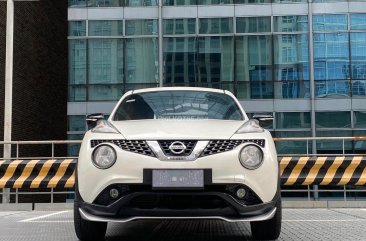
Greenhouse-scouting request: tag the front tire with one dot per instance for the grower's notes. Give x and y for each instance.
(268, 229)
(87, 230)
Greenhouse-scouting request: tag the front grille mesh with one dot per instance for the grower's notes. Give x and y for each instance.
(139, 147)
(189, 147)
(219, 146)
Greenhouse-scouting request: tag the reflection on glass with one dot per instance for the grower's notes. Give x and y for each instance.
(289, 1)
(358, 21)
(290, 23)
(293, 120)
(77, 3)
(179, 2)
(293, 147)
(77, 93)
(105, 61)
(359, 88)
(105, 28)
(76, 123)
(253, 58)
(251, 1)
(332, 88)
(77, 61)
(253, 24)
(215, 25)
(179, 26)
(141, 60)
(333, 146)
(105, 3)
(104, 92)
(358, 56)
(338, 119)
(180, 60)
(331, 56)
(77, 28)
(359, 119)
(142, 27)
(140, 3)
(291, 63)
(212, 2)
(215, 59)
(329, 22)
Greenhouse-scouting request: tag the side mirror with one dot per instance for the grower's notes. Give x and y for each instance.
(92, 119)
(264, 120)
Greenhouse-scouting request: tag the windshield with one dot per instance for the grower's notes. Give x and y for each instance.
(178, 105)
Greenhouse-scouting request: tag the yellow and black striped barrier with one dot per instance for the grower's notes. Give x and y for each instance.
(60, 173)
(335, 170)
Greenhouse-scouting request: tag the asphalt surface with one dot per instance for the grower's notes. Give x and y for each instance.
(298, 224)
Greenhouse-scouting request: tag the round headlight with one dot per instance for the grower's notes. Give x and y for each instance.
(251, 157)
(104, 156)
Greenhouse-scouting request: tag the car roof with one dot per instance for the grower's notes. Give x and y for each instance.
(177, 89)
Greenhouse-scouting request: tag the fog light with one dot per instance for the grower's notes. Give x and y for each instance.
(114, 193)
(240, 193)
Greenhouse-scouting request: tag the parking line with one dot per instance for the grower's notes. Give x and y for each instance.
(44, 216)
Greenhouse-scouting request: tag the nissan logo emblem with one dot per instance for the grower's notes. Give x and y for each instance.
(177, 147)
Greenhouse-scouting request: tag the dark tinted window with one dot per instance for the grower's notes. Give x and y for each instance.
(178, 105)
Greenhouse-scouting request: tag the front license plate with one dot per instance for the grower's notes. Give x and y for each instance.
(177, 178)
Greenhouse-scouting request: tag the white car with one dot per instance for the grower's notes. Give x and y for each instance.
(177, 153)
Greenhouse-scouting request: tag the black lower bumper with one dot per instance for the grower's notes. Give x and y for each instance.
(177, 204)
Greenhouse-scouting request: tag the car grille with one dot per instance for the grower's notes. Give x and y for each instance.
(139, 147)
(188, 143)
(218, 146)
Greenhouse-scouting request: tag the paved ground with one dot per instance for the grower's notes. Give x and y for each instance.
(298, 224)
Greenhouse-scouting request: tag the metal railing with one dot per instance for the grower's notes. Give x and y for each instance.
(309, 190)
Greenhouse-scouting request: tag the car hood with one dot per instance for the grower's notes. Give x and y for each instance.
(177, 129)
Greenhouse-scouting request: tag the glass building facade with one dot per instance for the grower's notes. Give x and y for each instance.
(303, 62)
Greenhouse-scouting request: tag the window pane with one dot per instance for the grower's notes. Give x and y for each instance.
(289, 1)
(293, 120)
(77, 3)
(333, 146)
(339, 119)
(358, 55)
(142, 27)
(215, 59)
(179, 26)
(180, 60)
(331, 56)
(211, 2)
(105, 61)
(290, 23)
(329, 22)
(105, 3)
(105, 28)
(261, 89)
(358, 21)
(292, 147)
(325, 1)
(359, 119)
(179, 2)
(76, 123)
(216, 25)
(251, 1)
(77, 61)
(253, 25)
(332, 88)
(141, 60)
(73, 149)
(140, 3)
(104, 92)
(77, 28)
(77, 93)
(253, 58)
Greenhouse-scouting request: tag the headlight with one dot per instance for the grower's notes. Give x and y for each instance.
(251, 157)
(104, 156)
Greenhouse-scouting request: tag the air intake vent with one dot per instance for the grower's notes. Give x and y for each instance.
(189, 144)
(139, 147)
(218, 146)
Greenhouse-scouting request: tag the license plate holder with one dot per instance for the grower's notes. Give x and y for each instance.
(173, 178)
